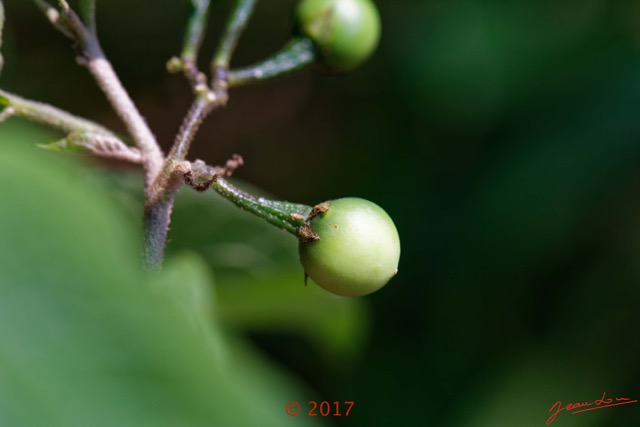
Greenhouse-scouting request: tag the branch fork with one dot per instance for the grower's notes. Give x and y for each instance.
(163, 174)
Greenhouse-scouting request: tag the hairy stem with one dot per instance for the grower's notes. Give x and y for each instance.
(157, 215)
(49, 115)
(99, 145)
(297, 54)
(190, 125)
(70, 24)
(235, 26)
(161, 196)
(163, 176)
(195, 30)
(83, 135)
(188, 61)
(287, 216)
(156, 218)
(126, 109)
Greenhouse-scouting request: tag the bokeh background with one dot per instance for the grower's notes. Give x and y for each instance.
(502, 137)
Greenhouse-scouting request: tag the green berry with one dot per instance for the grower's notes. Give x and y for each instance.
(346, 32)
(358, 248)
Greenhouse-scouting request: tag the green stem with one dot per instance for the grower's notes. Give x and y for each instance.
(296, 54)
(51, 116)
(287, 216)
(157, 217)
(190, 125)
(195, 30)
(235, 26)
(161, 196)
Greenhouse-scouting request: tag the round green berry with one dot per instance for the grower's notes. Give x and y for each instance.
(346, 32)
(356, 248)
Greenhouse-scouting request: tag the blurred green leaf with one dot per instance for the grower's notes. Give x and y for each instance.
(187, 278)
(87, 339)
(337, 327)
(524, 393)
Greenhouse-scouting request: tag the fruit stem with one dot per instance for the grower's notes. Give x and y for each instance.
(284, 215)
(290, 217)
(295, 55)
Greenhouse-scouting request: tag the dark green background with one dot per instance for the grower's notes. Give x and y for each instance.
(502, 137)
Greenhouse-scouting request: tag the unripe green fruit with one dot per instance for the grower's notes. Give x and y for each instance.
(346, 32)
(358, 248)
